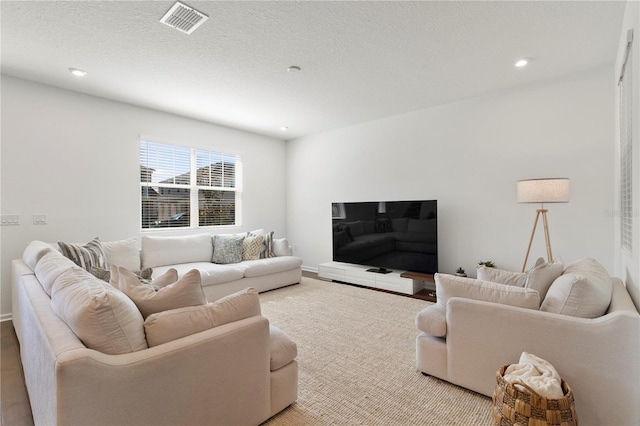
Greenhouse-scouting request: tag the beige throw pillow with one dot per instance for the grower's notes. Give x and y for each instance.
(170, 325)
(448, 286)
(101, 316)
(187, 291)
(542, 275)
(252, 246)
(583, 290)
(501, 276)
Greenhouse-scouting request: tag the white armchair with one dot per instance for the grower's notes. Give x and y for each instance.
(466, 338)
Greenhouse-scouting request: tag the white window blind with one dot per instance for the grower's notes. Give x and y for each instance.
(188, 187)
(626, 170)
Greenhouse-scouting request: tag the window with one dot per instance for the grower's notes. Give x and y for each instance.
(626, 170)
(188, 187)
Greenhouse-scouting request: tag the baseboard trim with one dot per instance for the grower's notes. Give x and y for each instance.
(5, 317)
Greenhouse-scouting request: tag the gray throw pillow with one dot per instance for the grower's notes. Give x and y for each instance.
(227, 249)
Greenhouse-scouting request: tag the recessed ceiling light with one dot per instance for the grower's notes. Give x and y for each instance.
(284, 128)
(521, 63)
(77, 72)
(294, 68)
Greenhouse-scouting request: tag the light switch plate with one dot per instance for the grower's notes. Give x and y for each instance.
(9, 219)
(39, 219)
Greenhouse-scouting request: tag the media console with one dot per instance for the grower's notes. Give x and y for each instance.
(398, 281)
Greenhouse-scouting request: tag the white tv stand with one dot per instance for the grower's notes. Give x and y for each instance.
(358, 274)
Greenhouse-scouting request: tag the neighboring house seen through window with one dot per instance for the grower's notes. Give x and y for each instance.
(188, 187)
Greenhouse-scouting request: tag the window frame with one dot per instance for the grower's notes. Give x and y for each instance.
(193, 186)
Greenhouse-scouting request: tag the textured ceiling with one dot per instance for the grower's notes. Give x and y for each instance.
(360, 60)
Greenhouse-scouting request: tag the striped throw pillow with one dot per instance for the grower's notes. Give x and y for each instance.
(87, 256)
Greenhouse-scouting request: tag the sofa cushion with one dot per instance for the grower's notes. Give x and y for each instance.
(210, 273)
(169, 325)
(542, 275)
(501, 276)
(159, 251)
(101, 316)
(34, 252)
(448, 286)
(432, 320)
(125, 253)
(187, 291)
(281, 247)
(583, 290)
(283, 349)
(86, 255)
(252, 246)
(227, 249)
(50, 266)
(256, 268)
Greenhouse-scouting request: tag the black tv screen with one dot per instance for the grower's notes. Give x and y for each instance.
(401, 235)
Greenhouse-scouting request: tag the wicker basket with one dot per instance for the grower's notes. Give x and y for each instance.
(512, 406)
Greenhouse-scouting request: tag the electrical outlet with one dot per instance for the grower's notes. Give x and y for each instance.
(9, 219)
(39, 219)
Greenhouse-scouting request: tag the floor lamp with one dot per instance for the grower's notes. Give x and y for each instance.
(548, 190)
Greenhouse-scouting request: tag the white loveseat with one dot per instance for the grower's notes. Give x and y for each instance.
(593, 341)
(89, 356)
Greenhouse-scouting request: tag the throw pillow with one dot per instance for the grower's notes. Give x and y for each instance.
(281, 247)
(268, 245)
(170, 325)
(187, 291)
(85, 256)
(227, 249)
(448, 286)
(102, 317)
(252, 246)
(583, 290)
(543, 274)
(501, 276)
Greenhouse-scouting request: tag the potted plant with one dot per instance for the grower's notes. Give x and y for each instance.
(460, 272)
(487, 263)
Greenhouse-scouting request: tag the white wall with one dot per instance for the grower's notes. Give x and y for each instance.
(468, 155)
(75, 158)
(628, 264)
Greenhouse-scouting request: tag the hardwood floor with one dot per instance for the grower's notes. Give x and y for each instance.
(14, 402)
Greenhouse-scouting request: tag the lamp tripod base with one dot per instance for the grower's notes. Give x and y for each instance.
(539, 212)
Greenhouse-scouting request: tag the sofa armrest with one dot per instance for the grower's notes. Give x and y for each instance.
(218, 376)
(597, 357)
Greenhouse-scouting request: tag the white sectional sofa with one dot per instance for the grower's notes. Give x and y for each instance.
(577, 318)
(92, 355)
(196, 252)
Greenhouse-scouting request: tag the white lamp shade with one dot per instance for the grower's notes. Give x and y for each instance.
(549, 190)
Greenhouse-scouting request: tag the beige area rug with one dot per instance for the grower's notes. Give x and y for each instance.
(356, 355)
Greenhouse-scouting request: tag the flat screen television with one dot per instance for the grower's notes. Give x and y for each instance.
(400, 235)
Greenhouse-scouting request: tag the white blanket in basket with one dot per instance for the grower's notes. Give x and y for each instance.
(538, 374)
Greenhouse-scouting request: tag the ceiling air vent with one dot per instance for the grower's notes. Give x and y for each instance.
(183, 18)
